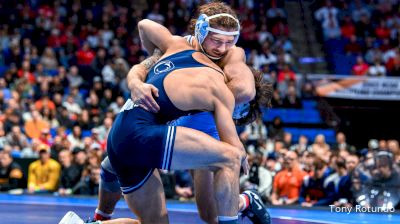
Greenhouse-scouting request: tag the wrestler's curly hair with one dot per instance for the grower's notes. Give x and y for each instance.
(213, 8)
(262, 99)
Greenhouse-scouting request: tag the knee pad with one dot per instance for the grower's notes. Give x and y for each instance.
(108, 178)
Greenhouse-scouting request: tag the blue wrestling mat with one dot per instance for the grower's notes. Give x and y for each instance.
(34, 209)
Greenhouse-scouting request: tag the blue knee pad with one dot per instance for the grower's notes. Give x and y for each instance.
(108, 178)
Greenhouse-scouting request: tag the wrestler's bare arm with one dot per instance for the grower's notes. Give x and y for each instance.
(140, 90)
(223, 102)
(154, 35)
(139, 71)
(240, 77)
(206, 92)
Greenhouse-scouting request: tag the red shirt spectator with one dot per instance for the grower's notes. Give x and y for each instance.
(286, 73)
(360, 68)
(45, 102)
(393, 62)
(85, 55)
(280, 29)
(25, 72)
(56, 40)
(353, 47)
(382, 31)
(348, 29)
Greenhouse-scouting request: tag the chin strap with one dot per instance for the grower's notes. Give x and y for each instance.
(209, 56)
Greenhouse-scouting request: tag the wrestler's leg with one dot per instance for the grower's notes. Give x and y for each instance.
(109, 192)
(204, 193)
(196, 150)
(148, 202)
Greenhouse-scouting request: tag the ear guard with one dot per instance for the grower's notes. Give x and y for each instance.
(203, 27)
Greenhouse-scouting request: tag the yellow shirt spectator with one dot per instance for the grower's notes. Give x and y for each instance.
(44, 173)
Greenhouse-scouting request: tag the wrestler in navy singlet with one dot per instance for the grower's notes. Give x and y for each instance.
(140, 141)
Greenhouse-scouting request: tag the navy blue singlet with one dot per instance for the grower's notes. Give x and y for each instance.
(140, 141)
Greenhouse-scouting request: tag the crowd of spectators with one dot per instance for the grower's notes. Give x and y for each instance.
(365, 30)
(289, 172)
(63, 67)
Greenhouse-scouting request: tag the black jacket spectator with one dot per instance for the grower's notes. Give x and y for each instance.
(11, 175)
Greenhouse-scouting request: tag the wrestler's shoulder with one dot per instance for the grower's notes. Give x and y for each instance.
(233, 54)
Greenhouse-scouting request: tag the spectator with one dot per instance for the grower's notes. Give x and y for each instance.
(360, 68)
(287, 182)
(74, 78)
(155, 14)
(382, 31)
(34, 126)
(393, 64)
(275, 130)
(353, 47)
(377, 69)
(253, 132)
(346, 190)
(325, 12)
(80, 157)
(314, 190)
(331, 28)
(44, 102)
(70, 173)
(75, 137)
(337, 164)
(71, 105)
(286, 74)
(320, 148)
(11, 174)
(49, 60)
(89, 184)
(393, 146)
(3, 138)
(359, 11)
(85, 55)
(348, 29)
(301, 146)
(25, 72)
(385, 178)
(44, 173)
(364, 27)
(374, 54)
(16, 139)
(276, 100)
(341, 143)
(291, 99)
(117, 105)
(287, 140)
(63, 117)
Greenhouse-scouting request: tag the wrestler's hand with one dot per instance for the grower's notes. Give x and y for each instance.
(143, 94)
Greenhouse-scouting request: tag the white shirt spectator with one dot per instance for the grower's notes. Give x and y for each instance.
(157, 17)
(388, 55)
(322, 14)
(72, 106)
(108, 74)
(377, 70)
(106, 36)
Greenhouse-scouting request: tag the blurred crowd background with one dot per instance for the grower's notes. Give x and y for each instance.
(63, 67)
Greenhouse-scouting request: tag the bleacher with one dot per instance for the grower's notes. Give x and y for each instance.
(306, 121)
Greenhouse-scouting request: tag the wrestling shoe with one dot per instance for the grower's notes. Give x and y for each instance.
(256, 211)
(71, 218)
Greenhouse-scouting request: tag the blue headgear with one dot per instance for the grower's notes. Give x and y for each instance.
(203, 27)
(241, 111)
